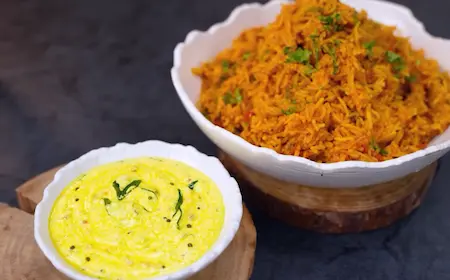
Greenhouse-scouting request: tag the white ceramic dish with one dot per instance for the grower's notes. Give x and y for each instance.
(201, 46)
(211, 166)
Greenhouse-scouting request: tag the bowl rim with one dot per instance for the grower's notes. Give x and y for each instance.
(228, 231)
(262, 151)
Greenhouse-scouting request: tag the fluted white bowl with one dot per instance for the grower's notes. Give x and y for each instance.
(201, 46)
(211, 166)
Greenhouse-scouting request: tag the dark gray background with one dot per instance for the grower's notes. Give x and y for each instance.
(81, 74)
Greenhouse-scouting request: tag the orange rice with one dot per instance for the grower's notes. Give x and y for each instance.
(327, 83)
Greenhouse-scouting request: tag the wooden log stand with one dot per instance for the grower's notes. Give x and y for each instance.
(22, 259)
(330, 210)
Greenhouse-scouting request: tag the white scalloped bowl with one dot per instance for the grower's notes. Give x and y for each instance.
(211, 166)
(202, 46)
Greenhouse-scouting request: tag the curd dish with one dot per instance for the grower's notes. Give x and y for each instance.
(147, 211)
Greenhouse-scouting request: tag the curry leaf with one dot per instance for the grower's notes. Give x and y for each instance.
(178, 208)
(192, 184)
(121, 194)
(116, 187)
(131, 186)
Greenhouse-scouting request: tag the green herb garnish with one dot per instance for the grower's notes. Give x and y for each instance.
(107, 202)
(238, 95)
(369, 47)
(228, 98)
(331, 22)
(286, 50)
(289, 111)
(192, 184)
(178, 208)
(396, 60)
(332, 52)
(225, 66)
(377, 148)
(246, 55)
(299, 55)
(418, 62)
(121, 194)
(392, 57)
(316, 49)
(232, 99)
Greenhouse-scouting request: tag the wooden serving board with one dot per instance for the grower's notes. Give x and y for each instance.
(22, 259)
(332, 210)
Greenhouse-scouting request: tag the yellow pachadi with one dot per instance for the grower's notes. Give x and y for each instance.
(136, 218)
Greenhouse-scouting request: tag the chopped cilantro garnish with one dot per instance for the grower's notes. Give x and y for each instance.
(228, 98)
(396, 60)
(393, 57)
(289, 111)
(332, 52)
(316, 49)
(299, 55)
(369, 47)
(418, 62)
(377, 148)
(238, 95)
(232, 98)
(246, 55)
(331, 22)
(398, 67)
(225, 65)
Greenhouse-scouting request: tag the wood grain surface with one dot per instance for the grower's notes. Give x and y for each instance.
(332, 210)
(20, 250)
